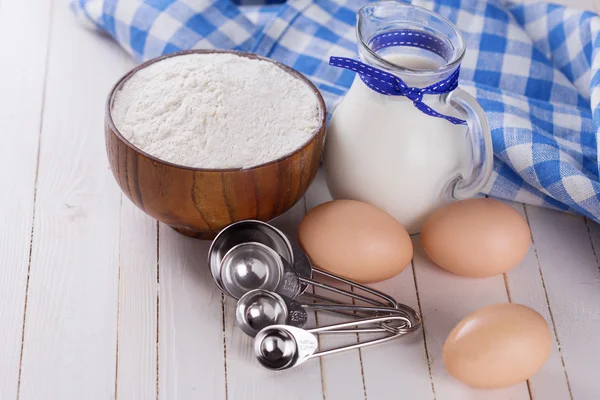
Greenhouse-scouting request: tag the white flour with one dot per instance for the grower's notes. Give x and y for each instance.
(216, 111)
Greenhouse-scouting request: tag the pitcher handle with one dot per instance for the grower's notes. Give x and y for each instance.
(481, 143)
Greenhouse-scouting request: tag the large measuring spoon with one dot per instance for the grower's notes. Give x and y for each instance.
(253, 231)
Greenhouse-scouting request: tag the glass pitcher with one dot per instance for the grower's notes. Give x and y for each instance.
(384, 149)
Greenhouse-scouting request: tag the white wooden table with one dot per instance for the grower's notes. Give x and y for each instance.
(99, 301)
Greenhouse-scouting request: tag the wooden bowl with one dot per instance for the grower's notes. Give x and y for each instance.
(200, 202)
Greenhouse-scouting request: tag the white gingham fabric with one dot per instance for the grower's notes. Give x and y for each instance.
(535, 69)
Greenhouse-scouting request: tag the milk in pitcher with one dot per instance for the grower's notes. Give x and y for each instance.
(398, 158)
(405, 137)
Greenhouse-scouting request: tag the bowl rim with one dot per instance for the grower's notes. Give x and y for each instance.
(117, 87)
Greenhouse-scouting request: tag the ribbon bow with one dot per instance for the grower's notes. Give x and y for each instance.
(391, 85)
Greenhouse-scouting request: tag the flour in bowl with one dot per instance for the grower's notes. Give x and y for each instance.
(216, 111)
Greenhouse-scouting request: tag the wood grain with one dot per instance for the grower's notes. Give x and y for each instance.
(190, 335)
(407, 357)
(22, 87)
(526, 286)
(445, 300)
(137, 313)
(71, 322)
(342, 373)
(201, 202)
(77, 318)
(349, 384)
(137, 353)
(380, 366)
(246, 378)
(569, 266)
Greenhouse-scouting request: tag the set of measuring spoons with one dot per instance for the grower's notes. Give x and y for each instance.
(269, 275)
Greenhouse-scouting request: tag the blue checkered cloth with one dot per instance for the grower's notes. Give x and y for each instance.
(535, 70)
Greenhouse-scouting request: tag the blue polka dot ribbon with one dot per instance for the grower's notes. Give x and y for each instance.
(391, 85)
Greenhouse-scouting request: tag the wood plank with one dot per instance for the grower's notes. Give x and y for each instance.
(570, 269)
(594, 232)
(71, 320)
(138, 301)
(383, 368)
(191, 353)
(526, 286)
(403, 363)
(137, 317)
(22, 81)
(247, 379)
(343, 373)
(445, 300)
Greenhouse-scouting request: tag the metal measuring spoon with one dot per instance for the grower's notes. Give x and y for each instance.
(253, 265)
(280, 347)
(297, 261)
(250, 266)
(259, 309)
(247, 231)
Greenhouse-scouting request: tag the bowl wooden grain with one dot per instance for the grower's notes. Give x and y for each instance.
(200, 202)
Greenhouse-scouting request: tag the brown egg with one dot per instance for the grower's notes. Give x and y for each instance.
(497, 346)
(476, 237)
(355, 240)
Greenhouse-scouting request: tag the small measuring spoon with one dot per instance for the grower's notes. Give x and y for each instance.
(280, 347)
(260, 308)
